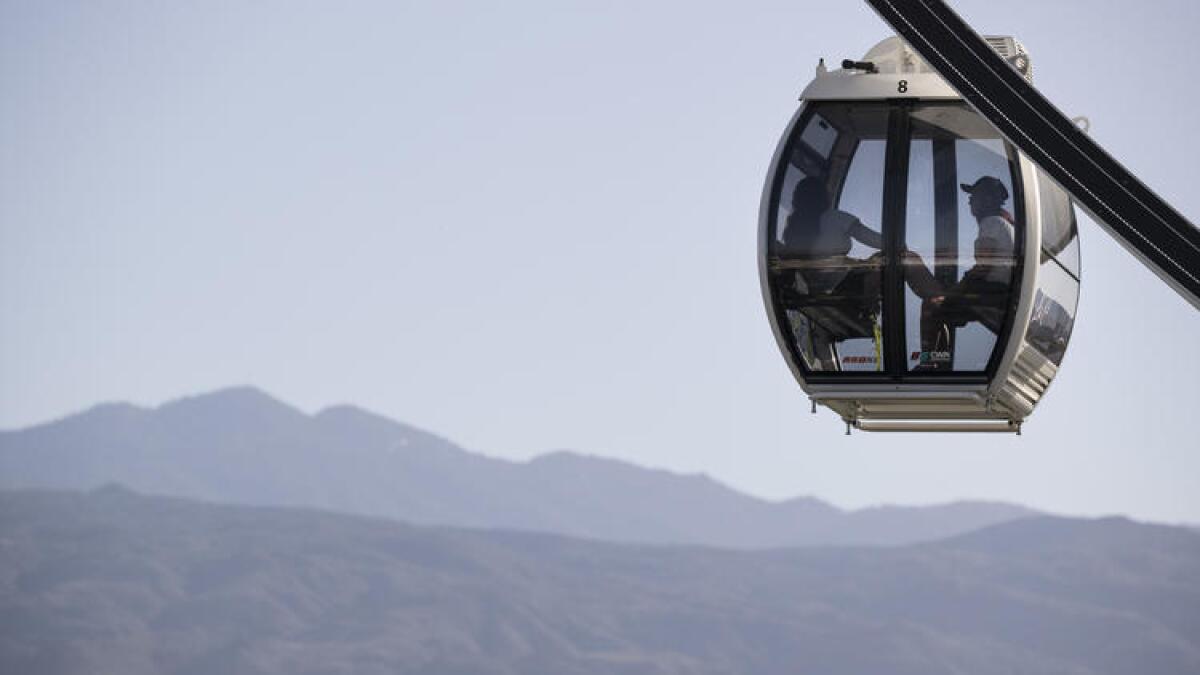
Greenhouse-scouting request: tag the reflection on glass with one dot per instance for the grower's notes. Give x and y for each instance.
(1053, 311)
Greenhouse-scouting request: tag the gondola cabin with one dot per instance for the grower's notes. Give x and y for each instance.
(919, 272)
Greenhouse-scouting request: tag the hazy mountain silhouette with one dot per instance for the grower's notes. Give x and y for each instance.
(118, 583)
(242, 446)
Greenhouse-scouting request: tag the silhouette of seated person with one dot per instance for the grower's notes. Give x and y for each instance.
(982, 294)
(838, 293)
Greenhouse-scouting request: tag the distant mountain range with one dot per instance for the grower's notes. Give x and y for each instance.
(241, 446)
(113, 582)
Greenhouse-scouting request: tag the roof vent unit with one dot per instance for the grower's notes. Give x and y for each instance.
(1013, 52)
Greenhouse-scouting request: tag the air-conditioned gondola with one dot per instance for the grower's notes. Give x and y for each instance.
(919, 272)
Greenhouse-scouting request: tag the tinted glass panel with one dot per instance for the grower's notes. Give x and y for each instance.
(825, 261)
(1053, 311)
(961, 239)
(1060, 238)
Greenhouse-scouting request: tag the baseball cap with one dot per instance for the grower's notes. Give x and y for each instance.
(987, 186)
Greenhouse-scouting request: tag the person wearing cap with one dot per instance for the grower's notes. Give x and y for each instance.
(995, 240)
(981, 292)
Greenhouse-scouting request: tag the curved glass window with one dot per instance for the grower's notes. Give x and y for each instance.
(961, 234)
(826, 245)
(894, 240)
(1060, 236)
(1057, 296)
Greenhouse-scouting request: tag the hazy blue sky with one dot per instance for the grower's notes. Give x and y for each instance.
(530, 226)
